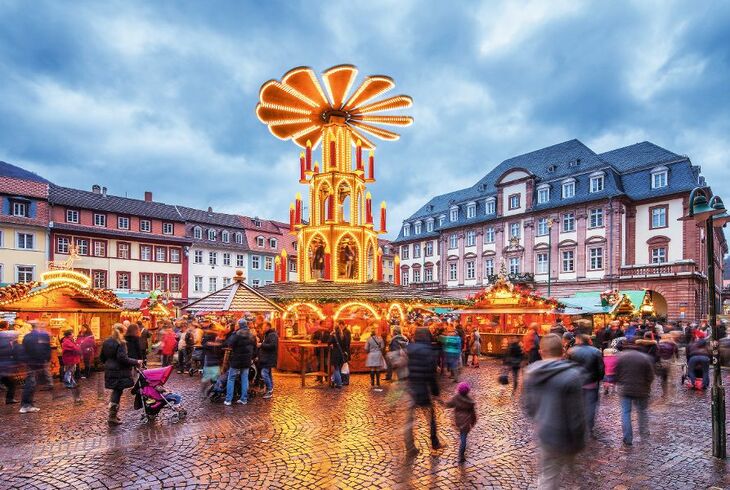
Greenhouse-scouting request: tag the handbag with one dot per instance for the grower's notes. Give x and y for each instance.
(345, 369)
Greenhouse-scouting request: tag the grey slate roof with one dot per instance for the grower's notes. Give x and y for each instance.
(15, 172)
(75, 198)
(212, 218)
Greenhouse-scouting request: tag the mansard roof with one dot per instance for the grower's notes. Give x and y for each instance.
(210, 217)
(15, 172)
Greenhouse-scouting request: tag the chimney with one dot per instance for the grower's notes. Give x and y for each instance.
(103, 191)
(210, 209)
(148, 196)
(96, 189)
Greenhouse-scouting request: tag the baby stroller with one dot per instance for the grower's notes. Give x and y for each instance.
(217, 391)
(152, 397)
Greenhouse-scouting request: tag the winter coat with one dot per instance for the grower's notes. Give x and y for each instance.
(514, 355)
(37, 349)
(88, 346)
(590, 359)
(269, 349)
(609, 363)
(212, 352)
(70, 351)
(374, 347)
(169, 342)
(422, 358)
(117, 365)
(338, 354)
(451, 344)
(134, 347)
(476, 343)
(242, 346)
(465, 414)
(553, 398)
(9, 353)
(634, 373)
(531, 341)
(397, 343)
(698, 348)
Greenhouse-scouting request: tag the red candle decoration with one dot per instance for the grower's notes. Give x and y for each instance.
(358, 157)
(331, 208)
(333, 156)
(298, 208)
(327, 263)
(284, 265)
(277, 269)
(396, 270)
(368, 209)
(292, 217)
(382, 217)
(302, 170)
(380, 265)
(371, 165)
(308, 155)
(316, 167)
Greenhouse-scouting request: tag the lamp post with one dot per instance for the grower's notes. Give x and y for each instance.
(711, 210)
(550, 223)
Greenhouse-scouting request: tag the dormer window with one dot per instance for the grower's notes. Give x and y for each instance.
(239, 237)
(429, 225)
(568, 188)
(659, 177)
(260, 241)
(490, 206)
(417, 228)
(225, 236)
(20, 208)
(597, 182)
(212, 235)
(514, 201)
(442, 220)
(471, 210)
(543, 194)
(454, 213)
(257, 222)
(407, 229)
(273, 243)
(551, 169)
(198, 233)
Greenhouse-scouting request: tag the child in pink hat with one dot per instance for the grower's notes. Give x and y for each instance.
(465, 415)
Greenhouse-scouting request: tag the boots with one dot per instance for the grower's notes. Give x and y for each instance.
(114, 414)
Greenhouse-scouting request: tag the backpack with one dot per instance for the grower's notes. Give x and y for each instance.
(665, 350)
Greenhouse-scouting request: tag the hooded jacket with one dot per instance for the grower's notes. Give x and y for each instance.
(553, 398)
(590, 359)
(634, 373)
(465, 414)
(242, 346)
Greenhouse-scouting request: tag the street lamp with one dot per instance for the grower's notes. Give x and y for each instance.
(550, 223)
(711, 210)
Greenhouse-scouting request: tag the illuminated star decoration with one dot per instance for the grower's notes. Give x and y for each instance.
(297, 108)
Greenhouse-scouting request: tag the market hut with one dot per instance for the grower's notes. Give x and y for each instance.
(602, 307)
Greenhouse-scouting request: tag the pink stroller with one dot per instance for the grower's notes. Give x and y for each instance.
(152, 397)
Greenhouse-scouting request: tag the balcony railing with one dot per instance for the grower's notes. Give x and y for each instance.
(660, 270)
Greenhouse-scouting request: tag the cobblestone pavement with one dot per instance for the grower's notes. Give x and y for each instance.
(350, 438)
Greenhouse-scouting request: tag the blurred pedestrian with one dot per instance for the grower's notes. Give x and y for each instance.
(37, 355)
(698, 357)
(513, 361)
(531, 343)
(338, 356)
(451, 343)
(144, 338)
(590, 359)
(667, 352)
(9, 361)
(476, 347)
(185, 348)
(375, 360)
(553, 398)
(212, 358)
(168, 343)
(268, 354)
(87, 342)
(634, 375)
(398, 358)
(117, 369)
(243, 346)
(465, 415)
(71, 353)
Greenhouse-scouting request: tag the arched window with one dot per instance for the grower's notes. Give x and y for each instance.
(212, 235)
(198, 233)
(239, 237)
(225, 236)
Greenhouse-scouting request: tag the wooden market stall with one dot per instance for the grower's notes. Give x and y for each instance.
(503, 311)
(602, 307)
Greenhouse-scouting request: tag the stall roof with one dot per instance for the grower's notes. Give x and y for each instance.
(237, 296)
(589, 302)
(57, 297)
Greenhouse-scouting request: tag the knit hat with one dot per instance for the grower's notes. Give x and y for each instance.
(463, 388)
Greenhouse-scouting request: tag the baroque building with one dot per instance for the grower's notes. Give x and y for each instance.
(566, 219)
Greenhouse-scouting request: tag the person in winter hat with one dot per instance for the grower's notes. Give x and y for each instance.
(465, 415)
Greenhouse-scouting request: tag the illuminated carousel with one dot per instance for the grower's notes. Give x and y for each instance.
(339, 263)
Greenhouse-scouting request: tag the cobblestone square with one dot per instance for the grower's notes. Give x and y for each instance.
(350, 438)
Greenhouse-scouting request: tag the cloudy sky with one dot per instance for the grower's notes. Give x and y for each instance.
(160, 96)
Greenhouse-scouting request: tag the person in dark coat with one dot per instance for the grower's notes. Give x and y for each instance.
(346, 341)
(698, 356)
(9, 354)
(338, 354)
(268, 353)
(553, 388)
(634, 375)
(465, 415)
(513, 360)
(591, 360)
(134, 343)
(37, 355)
(242, 345)
(422, 385)
(117, 369)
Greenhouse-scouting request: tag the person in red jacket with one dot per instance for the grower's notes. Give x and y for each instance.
(71, 355)
(169, 342)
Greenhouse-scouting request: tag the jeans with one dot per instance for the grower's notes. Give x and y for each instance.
(31, 380)
(88, 361)
(552, 464)
(167, 360)
(337, 375)
(515, 377)
(462, 443)
(590, 400)
(268, 380)
(230, 386)
(704, 363)
(641, 405)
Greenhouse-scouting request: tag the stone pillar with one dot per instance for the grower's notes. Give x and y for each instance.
(460, 263)
(580, 253)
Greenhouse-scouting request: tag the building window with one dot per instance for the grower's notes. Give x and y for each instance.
(145, 282)
(100, 220)
(212, 235)
(471, 238)
(145, 252)
(175, 255)
(429, 225)
(514, 230)
(428, 249)
(428, 274)
(161, 282)
(568, 189)
(82, 246)
(226, 281)
(168, 228)
(72, 216)
(198, 233)
(212, 284)
(404, 249)
(452, 271)
(145, 225)
(268, 263)
(63, 245)
(658, 216)
(225, 236)
(407, 230)
(442, 220)
(595, 258)
(416, 275)
(198, 284)
(24, 273)
(417, 228)
(175, 283)
(453, 241)
(416, 250)
(273, 243)
(543, 195)
(568, 261)
(256, 283)
(226, 258)
(98, 279)
(99, 248)
(122, 222)
(514, 265)
(488, 268)
(659, 178)
(198, 257)
(25, 241)
(469, 270)
(123, 249)
(240, 260)
(542, 227)
(260, 241)
(404, 277)
(160, 254)
(123, 280)
(471, 210)
(292, 266)
(213, 258)
(596, 218)
(239, 237)
(490, 206)
(658, 255)
(20, 209)
(255, 262)
(454, 214)
(568, 222)
(514, 201)
(597, 183)
(489, 234)
(541, 263)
